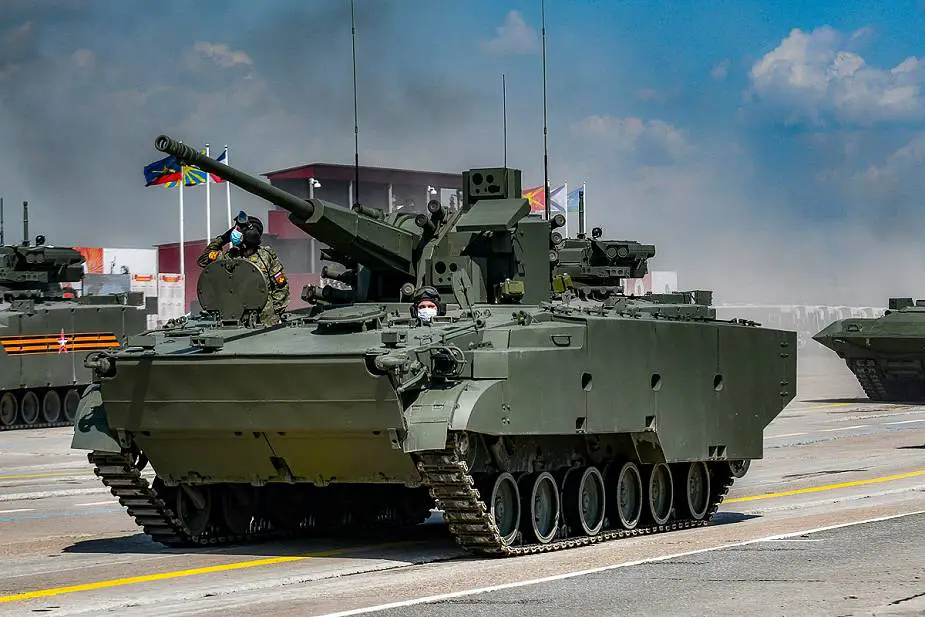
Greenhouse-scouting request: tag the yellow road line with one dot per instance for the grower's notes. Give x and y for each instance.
(241, 565)
(161, 576)
(49, 474)
(828, 487)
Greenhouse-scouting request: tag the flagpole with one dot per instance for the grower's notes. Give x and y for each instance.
(182, 250)
(208, 202)
(584, 213)
(565, 192)
(228, 187)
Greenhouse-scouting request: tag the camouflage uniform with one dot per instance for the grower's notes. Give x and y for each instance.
(268, 263)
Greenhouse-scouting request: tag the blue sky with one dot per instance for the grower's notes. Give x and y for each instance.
(771, 150)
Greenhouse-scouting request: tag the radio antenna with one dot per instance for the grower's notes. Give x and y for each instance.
(545, 146)
(356, 126)
(504, 116)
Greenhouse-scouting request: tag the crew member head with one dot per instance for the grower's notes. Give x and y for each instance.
(425, 304)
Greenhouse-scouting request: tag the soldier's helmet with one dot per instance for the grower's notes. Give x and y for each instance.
(426, 295)
(253, 232)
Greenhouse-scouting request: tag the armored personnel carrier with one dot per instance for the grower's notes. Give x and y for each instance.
(540, 409)
(46, 332)
(886, 354)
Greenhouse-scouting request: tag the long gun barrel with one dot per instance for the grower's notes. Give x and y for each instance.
(373, 243)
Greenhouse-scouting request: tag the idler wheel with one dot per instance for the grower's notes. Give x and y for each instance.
(696, 490)
(30, 407)
(504, 507)
(194, 506)
(740, 467)
(51, 406)
(628, 496)
(9, 407)
(585, 500)
(659, 494)
(71, 401)
(541, 507)
(238, 504)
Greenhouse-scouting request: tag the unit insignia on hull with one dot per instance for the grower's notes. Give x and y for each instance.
(477, 361)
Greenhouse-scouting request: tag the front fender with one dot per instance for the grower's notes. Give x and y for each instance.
(91, 428)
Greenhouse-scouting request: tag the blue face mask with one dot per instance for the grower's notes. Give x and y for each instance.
(236, 237)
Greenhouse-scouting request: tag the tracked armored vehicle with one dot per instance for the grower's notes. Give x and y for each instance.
(46, 332)
(541, 409)
(886, 354)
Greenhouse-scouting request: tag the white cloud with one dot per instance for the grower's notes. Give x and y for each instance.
(222, 54)
(84, 58)
(720, 70)
(630, 134)
(813, 77)
(514, 36)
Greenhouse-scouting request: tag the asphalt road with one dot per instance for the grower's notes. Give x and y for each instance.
(67, 547)
(873, 568)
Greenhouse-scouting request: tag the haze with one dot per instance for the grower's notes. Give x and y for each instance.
(771, 154)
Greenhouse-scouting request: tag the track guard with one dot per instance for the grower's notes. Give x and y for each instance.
(91, 428)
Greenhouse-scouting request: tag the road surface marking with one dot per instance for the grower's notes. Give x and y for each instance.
(99, 503)
(567, 575)
(903, 422)
(160, 576)
(77, 473)
(17, 510)
(240, 565)
(785, 435)
(828, 487)
(844, 428)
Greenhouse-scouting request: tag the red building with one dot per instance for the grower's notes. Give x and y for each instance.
(380, 187)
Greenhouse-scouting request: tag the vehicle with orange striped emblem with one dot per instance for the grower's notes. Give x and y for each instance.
(46, 332)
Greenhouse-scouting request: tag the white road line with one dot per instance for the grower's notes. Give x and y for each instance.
(903, 422)
(794, 540)
(567, 575)
(47, 494)
(17, 510)
(844, 428)
(99, 503)
(786, 435)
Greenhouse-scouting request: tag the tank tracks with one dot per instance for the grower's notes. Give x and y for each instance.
(446, 474)
(148, 503)
(469, 521)
(145, 504)
(871, 379)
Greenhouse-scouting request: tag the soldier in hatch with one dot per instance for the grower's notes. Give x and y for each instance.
(245, 237)
(426, 304)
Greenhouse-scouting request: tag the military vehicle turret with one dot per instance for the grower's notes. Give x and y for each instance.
(540, 409)
(887, 353)
(46, 332)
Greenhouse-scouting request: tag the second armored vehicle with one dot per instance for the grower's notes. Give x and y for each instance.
(886, 354)
(46, 333)
(541, 408)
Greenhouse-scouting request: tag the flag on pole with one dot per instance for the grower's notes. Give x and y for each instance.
(573, 199)
(558, 194)
(537, 198)
(159, 173)
(221, 158)
(192, 175)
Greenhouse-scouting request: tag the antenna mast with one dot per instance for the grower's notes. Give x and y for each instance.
(504, 116)
(356, 126)
(545, 147)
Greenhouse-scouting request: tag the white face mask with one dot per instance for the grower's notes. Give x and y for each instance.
(426, 313)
